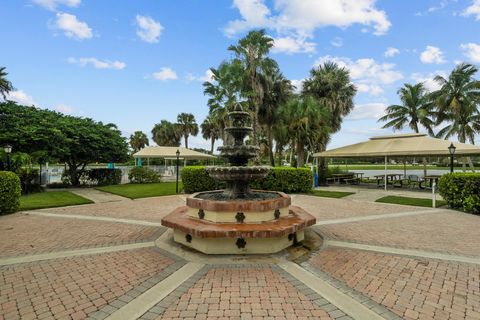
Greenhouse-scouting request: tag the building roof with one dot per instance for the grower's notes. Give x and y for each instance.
(170, 153)
(414, 144)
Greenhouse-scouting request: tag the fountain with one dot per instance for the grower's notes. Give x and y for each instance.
(238, 220)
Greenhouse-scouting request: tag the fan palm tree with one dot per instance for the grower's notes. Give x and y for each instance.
(304, 117)
(251, 52)
(277, 89)
(415, 110)
(166, 133)
(187, 126)
(5, 85)
(210, 130)
(138, 141)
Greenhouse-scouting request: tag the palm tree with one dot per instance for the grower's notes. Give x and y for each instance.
(415, 110)
(251, 52)
(5, 85)
(166, 133)
(210, 130)
(187, 126)
(305, 118)
(138, 141)
(277, 89)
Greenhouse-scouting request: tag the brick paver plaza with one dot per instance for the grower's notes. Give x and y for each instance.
(113, 260)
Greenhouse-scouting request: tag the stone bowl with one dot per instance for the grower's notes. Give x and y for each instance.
(238, 173)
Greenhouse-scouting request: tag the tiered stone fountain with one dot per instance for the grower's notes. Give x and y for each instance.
(238, 220)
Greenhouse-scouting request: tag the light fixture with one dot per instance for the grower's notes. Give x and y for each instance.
(8, 148)
(451, 149)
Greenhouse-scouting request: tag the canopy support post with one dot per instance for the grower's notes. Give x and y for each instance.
(385, 173)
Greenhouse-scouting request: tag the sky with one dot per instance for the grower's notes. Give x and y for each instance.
(134, 63)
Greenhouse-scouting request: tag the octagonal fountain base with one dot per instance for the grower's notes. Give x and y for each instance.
(238, 226)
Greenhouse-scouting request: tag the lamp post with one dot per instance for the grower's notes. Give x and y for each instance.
(451, 150)
(178, 156)
(8, 150)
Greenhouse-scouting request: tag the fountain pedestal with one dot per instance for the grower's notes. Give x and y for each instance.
(238, 220)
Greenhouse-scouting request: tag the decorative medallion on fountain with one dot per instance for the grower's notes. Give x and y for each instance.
(220, 221)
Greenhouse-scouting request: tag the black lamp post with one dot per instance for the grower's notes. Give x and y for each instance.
(451, 150)
(8, 150)
(178, 155)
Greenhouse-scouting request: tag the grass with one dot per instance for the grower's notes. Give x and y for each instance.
(331, 194)
(51, 200)
(411, 201)
(136, 191)
(389, 167)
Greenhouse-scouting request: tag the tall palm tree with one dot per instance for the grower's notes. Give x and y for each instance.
(5, 85)
(251, 51)
(187, 126)
(166, 133)
(305, 118)
(457, 103)
(138, 141)
(210, 130)
(415, 110)
(277, 90)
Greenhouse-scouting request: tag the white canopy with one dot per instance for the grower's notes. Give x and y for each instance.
(171, 153)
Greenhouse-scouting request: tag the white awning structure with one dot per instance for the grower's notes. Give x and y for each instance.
(171, 153)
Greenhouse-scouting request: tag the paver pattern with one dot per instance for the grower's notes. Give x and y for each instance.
(243, 293)
(329, 208)
(75, 287)
(22, 234)
(443, 231)
(149, 209)
(411, 288)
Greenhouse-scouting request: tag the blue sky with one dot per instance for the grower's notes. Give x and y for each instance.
(135, 63)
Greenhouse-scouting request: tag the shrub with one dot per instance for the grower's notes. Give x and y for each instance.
(57, 185)
(29, 180)
(290, 180)
(10, 192)
(286, 179)
(104, 176)
(196, 179)
(143, 175)
(461, 191)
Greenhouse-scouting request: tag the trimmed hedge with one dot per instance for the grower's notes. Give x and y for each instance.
(10, 192)
(289, 180)
(461, 191)
(143, 175)
(104, 176)
(29, 180)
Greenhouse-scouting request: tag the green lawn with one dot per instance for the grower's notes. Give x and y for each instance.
(411, 201)
(331, 194)
(136, 191)
(51, 199)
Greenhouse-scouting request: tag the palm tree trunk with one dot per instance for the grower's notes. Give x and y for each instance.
(186, 141)
(270, 145)
(300, 153)
(213, 145)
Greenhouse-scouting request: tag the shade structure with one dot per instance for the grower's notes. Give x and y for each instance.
(171, 153)
(400, 145)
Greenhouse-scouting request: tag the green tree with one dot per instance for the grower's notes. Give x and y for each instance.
(166, 133)
(138, 141)
(415, 110)
(187, 126)
(305, 119)
(277, 89)
(251, 52)
(457, 103)
(210, 131)
(5, 85)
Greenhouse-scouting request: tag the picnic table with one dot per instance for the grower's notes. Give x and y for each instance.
(392, 178)
(430, 179)
(338, 177)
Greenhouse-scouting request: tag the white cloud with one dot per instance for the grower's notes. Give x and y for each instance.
(368, 75)
(432, 55)
(428, 79)
(165, 74)
(72, 27)
(98, 64)
(337, 42)
(53, 4)
(21, 97)
(148, 30)
(302, 17)
(391, 52)
(471, 51)
(473, 10)
(63, 108)
(298, 85)
(207, 77)
(367, 111)
(291, 45)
